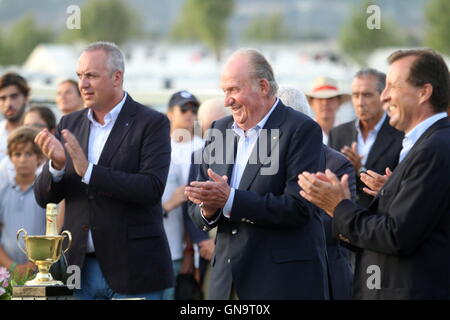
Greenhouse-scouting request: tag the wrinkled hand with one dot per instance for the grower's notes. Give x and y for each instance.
(324, 189)
(214, 194)
(207, 248)
(374, 181)
(352, 155)
(79, 160)
(52, 148)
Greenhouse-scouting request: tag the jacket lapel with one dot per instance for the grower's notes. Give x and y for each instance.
(267, 141)
(123, 123)
(382, 142)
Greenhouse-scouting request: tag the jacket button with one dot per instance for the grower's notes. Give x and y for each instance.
(85, 227)
(91, 197)
(229, 260)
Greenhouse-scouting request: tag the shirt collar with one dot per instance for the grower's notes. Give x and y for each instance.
(418, 130)
(238, 130)
(377, 127)
(110, 116)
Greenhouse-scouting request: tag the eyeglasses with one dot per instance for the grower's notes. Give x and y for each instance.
(189, 106)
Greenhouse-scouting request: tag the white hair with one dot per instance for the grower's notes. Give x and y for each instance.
(294, 98)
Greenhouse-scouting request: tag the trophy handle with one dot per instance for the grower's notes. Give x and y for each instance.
(18, 242)
(69, 236)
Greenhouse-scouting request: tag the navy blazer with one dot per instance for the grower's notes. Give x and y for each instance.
(121, 205)
(384, 152)
(405, 232)
(273, 245)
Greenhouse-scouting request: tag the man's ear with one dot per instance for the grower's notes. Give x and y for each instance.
(264, 85)
(118, 78)
(425, 92)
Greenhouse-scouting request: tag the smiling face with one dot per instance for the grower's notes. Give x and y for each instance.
(401, 99)
(245, 96)
(366, 99)
(100, 87)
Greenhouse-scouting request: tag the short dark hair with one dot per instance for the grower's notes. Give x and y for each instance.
(21, 136)
(14, 79)
(46, 114)
(428, 67)
(380, 76)
(73, 83)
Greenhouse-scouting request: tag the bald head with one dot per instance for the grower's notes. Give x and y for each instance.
(211, 110)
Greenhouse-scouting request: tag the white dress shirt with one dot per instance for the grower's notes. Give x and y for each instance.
(411, 137)
(247, 141)
(364, 147)
(98, 135)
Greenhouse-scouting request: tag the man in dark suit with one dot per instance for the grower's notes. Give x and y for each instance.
(369, 142)
(270, 242)
(110, 162)
(404, 235)
(339, 258)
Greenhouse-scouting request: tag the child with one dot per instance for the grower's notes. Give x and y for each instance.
(18, 207)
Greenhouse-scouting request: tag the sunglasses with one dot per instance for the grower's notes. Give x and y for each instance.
(189, 106)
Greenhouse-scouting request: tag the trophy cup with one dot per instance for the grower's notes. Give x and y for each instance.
(45, 250)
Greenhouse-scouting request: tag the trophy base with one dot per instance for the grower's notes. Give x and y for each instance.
(43, 279)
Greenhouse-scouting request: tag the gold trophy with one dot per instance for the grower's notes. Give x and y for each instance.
(45, 250)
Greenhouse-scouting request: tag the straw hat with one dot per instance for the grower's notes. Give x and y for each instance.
(324, 88)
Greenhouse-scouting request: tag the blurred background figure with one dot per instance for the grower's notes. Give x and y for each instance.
(182, 113)
(369, 141)
(340, 259)
(325, 98)
(14, 93)
(68, 97)
(38, 117)
(209, 111)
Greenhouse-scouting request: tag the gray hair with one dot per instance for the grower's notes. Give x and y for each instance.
(260, 68)
(294, 98)
(115, 59)
(380, 76)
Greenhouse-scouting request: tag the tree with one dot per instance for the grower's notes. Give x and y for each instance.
(105, 20)
(267, 28)
(437, 14)
(21, 39)
(205, 20)
(358, 39)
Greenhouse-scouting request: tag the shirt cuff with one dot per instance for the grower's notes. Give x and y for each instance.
(87, 175)
(57, 175)
(209, 222)
(229, 204)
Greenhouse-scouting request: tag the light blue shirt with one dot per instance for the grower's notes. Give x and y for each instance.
(247, 141)
(98, 136)
(19, 209)
(363, 147)
(411, 137)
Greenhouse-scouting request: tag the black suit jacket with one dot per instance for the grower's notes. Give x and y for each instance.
(406, 230)
(121, 205)
(273, 245)
(384, 152)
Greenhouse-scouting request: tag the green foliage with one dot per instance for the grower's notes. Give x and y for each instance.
(105, 20)
(358, 41)
(204, 20)
(9, 280)
(267, 28)
(437, 14)
(17, 44)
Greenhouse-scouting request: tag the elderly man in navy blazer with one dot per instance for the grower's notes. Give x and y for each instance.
(270, 242)
(109, 162)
